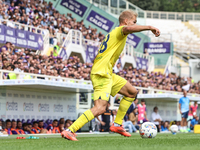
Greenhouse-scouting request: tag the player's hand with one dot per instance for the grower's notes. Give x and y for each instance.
(180, 112)
(103, 123)
(155, 31)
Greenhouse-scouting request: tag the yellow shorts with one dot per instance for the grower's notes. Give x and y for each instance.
(104, 87)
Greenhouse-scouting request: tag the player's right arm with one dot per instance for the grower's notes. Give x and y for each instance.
(180, 108)
(138, 28)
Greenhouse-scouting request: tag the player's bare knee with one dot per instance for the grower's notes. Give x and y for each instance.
(132, 93)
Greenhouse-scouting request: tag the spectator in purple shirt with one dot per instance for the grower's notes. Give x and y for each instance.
(7, 46)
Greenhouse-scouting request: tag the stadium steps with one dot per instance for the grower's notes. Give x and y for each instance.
(185, 69)
(161, 70)
(192, 28)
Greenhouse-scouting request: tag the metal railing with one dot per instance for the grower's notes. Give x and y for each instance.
(21, 75)
(76, 37)
(141, 90)
(183, 16)
(43, 32)
(117, 6)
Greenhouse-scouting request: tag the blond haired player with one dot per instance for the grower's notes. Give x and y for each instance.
(105, 83)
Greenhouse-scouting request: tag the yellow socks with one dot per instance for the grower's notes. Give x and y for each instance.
(123, 108)
(81, 121)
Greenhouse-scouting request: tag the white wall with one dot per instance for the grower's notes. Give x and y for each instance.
(24, 104)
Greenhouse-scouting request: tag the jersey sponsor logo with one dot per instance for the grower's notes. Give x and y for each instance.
(97, 58)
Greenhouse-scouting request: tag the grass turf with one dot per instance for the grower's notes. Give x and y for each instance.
(180, 141)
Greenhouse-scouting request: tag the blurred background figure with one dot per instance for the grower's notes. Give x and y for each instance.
(142, 116)
(156, 119)
(194, 121)
(106, 119)
(184, 110)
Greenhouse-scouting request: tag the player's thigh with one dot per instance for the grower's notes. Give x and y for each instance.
(117, 84)
(102, 87)
(128, 90)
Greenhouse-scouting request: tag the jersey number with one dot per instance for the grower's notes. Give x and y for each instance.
(104, 44)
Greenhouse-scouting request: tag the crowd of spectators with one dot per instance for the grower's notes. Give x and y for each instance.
(157, 80)
(25, 60)
(34, 127)
(40, 14)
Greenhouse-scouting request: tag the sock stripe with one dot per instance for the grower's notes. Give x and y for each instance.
(86, 117)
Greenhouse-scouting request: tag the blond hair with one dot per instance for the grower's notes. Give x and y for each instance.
(127, 14)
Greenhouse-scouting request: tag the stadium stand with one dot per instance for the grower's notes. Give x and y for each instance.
(183, 38)
(24, 63)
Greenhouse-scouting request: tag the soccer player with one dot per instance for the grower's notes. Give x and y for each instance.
(105, 83)
(184, 103)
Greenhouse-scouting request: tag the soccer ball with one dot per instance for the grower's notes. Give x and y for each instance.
(174, 129)
(148, 130)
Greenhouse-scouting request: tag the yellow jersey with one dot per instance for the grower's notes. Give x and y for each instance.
(109, 51)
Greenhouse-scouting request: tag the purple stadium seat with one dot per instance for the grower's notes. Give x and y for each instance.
(28, 121)
(45, 125)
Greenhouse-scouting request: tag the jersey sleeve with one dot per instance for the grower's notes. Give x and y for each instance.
(119, 32)
(180, 101)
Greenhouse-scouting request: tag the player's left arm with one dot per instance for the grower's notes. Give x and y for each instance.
(145, 114)
(138, 28)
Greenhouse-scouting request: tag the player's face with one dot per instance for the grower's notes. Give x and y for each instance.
(132, 21)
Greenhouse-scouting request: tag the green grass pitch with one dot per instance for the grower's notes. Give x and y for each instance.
(167, 141)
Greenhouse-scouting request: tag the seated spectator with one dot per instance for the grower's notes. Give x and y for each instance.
(14, 127)
(165, 126)
(156, 119)
(11, 75)
(8, 126)
(68, 123)
(194, 122)
(35, 127)
(27, 129)
(53, 127)
(131, 122)
(40, 127)
(7, 46)
(133, 117)
(62, 120)
(60, 127)
(19, 127)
